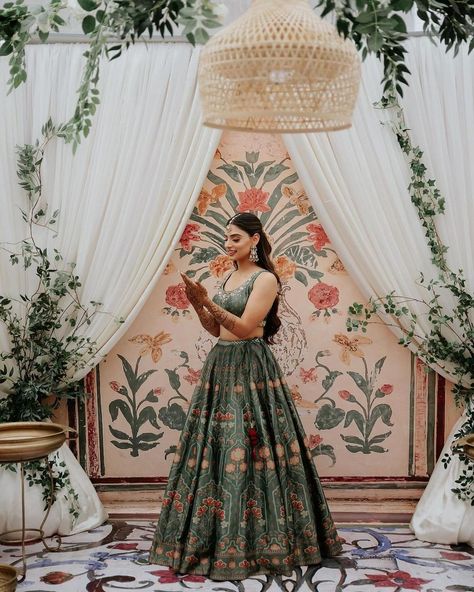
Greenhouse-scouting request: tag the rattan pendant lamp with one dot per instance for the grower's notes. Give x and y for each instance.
(279, 68)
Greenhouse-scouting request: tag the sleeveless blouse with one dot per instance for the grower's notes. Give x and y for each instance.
(235, 301)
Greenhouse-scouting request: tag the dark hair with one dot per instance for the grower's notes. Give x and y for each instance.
(251, 224)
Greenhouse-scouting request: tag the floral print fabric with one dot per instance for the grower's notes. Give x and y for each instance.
(243, 494)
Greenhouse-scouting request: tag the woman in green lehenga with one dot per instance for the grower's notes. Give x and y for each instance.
(243, 495)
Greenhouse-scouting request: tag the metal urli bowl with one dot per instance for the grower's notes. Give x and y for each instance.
(8, 578)
(29, 440)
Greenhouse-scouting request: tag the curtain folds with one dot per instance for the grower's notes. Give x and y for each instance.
(357, 182)
(125, 196)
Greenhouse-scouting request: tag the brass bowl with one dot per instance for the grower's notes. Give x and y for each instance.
(8, 578)
(464, 445)
(29, 440)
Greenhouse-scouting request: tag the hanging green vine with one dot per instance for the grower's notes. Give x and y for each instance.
(449, 342)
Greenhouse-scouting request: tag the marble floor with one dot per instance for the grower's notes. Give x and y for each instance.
(379, 557)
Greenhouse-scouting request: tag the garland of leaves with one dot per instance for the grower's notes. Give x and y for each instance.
(37, 367)
(450, 340)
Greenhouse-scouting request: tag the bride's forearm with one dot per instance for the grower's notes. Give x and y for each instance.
(221, 316)
(207, 321)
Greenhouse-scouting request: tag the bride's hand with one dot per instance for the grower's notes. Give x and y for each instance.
(195, 291)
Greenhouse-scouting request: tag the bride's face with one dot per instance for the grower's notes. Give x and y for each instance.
(238, 243)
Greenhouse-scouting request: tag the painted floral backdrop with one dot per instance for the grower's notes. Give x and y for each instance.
(356, 394)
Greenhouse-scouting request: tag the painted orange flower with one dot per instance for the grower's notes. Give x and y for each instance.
(317, 236)
(206, 198)
(253, 200)
(152, 344)
(220, 265)
(350, 346)
(298, 199)
(285, 267)
(337, 267)
(191, 233)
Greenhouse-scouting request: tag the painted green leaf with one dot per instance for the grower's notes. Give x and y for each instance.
(379, 438)
(128, 370)
(301, 255)
(329, 379)
(146, 414)
(118, 434)
(232, 171)
(353, 440)
(151, 397)
(328, 417)
(355, 416)
(378, 449)
(204, 255)
(204, 276)
(170, 450)
(122, 445)
(382, 411)
(359, 380)
(274, 172)
(300, 276)
(146, 445)
(172, 416)
(379, 365)
(352, 448)
(326, 450)
(148, 437)
(118, 405)
(142, 378)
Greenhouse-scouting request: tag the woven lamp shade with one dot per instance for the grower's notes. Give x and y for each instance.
(279, 68)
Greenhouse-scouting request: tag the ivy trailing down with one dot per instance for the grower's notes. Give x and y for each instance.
(449, 343)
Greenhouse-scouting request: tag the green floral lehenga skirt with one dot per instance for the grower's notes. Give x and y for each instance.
(243, 495)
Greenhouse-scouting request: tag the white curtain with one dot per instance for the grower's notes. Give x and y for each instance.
(126, 195)
(357, 181)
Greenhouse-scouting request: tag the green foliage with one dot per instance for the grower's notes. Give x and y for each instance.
(377, 27)
(44, 324)
(449, 341)
(111, 26)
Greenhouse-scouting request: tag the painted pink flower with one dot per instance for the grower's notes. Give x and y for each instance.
(56, 577)
(253, 200)
(114, 385)
(308, 375)
(452, 556)
(323, 295)
(314, 440)
(317, 236)
(346, 395)
(125, 546)
(401, 580)
(176, 296)
(193, 376)
(168, 576)
(191, 233)
(386, 389)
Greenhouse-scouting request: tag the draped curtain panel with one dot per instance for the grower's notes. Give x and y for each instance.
(124, 198)
(357, 181)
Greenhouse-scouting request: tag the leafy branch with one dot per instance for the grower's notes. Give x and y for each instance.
(377, 27)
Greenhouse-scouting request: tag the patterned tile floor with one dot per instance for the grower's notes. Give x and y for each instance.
(113, 557)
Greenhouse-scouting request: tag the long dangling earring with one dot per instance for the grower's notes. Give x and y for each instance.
(253, 257)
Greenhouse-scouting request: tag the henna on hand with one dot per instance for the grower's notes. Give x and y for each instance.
(222, 316)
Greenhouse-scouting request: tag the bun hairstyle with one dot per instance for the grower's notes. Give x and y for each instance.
(251, 224)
